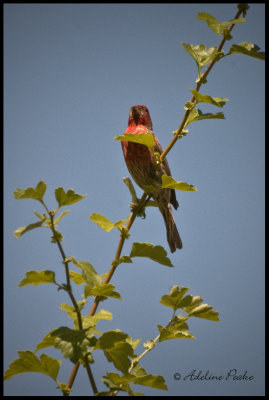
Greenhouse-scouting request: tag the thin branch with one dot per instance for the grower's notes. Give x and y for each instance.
(144, 200)
(203, 77)
(70, 293)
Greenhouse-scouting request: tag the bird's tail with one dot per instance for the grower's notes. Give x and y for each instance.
(173, 237)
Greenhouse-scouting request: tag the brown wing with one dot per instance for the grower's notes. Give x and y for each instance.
(166, 171)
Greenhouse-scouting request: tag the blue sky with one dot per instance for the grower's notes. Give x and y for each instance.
(71, 73)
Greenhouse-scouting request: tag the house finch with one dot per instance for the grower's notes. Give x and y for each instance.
(145, 170)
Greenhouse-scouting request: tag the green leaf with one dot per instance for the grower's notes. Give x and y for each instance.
(29, 362)
(134, 343)
(76, 277)
(205, 311)
(155, 253)
(31, 193)
(196, 115)
(88, 272)
(105, 223)
(41, 216)
(63, 387)
(123, 259)
(57, 220)
(90, 321)
(248, 49)
(70, 311)
(109, 338)
(177, 330)
(116, 349)
(72, 342)
(38, 278)
(105, 290)
(23, 229)
(201, 54)
(47, 341)
(171, 183)
(131, 188)
(142, 138)
(57, 236)
(67, 198)
(205, 98)
(149, 344)
(196, 301)
(215, 25)
(116, 382)
(156, 382)
(173, 299)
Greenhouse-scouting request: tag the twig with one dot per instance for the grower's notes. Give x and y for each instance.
(113, 267)
(70, 293)
(143, 200)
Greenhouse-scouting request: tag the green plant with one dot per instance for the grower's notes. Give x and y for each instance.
(80, 342)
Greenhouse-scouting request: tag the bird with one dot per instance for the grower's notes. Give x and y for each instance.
(146, 170)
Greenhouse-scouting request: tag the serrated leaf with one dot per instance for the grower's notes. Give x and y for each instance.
(29, 362)
(67, 198)
(23, 229)
(156, 382)
(196, 301)
(72, 342)
(134, 343)
(47, 341)
(105, 223)
(36, 193)
(91, 321)
(217, 26)
(174, 298)
(205, 98)
(155, 253)
(117, 382)
(108, 339)
(196, 115)
(205, 311)
(105, 290)
(70, 311)
(201, 54)
(88, 272)
(178, 330)
(38, 278)
(248, 49)
(142, 138)
(171, 183)
(116, 349)
(76, 277)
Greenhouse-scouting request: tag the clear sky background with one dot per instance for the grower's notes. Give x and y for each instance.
(71, 73)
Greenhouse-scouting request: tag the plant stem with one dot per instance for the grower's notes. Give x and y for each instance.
(203, 77)
(143, 201)
(70, 292)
